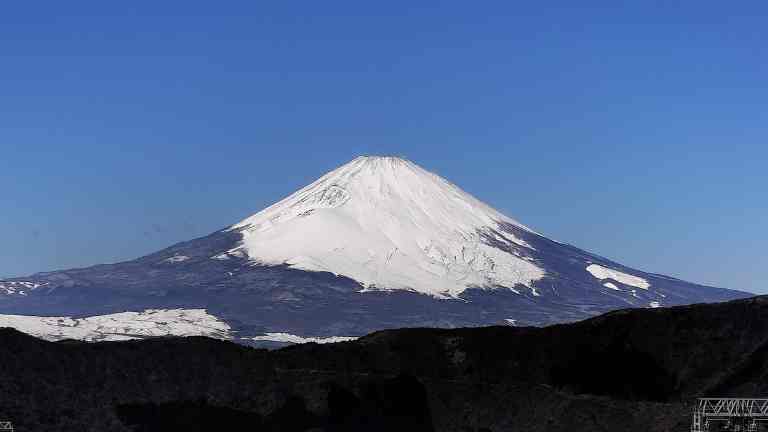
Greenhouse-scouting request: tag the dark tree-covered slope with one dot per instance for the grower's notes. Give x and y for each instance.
(629, 370)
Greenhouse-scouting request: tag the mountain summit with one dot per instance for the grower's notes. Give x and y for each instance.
(389, 224)
(377, 243)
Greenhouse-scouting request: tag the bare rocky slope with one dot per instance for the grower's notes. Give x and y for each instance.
(629, 370)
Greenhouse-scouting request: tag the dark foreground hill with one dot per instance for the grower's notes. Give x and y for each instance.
(632, 370)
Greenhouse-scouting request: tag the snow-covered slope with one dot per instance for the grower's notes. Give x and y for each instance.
(121, 326)
(389, 224)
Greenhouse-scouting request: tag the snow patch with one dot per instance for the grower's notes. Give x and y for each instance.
(389, 224)
(289, 338)
(19, 287)
(176, 259)
(121, 326)
(601, 273)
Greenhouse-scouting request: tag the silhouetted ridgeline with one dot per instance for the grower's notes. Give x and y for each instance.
(634, 370)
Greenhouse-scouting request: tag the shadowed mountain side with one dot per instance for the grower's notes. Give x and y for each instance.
(630, 370)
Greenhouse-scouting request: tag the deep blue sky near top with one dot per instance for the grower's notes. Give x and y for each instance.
(638, 131)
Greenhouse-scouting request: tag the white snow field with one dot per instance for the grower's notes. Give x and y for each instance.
(121, 326)
(601, 273)
(390, 225)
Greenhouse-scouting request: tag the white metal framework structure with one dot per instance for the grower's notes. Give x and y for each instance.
(729, 414)
(6, 426)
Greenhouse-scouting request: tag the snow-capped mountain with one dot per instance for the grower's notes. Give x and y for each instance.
(389, 224)
(377, 243)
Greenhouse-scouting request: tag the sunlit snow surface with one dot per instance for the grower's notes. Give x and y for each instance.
(389, 224)
(601, 273)
(289, 338)
(121, 326)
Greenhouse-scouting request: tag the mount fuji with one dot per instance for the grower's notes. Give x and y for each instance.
(377, 243)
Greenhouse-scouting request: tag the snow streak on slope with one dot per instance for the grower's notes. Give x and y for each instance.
(121, 326)
(389, 224)
(289, 338)
(601, 273)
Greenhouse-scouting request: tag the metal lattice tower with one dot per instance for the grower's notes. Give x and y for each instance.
(6, 426)
(729, 414)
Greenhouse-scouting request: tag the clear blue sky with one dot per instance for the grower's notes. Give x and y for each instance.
(637, 131)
